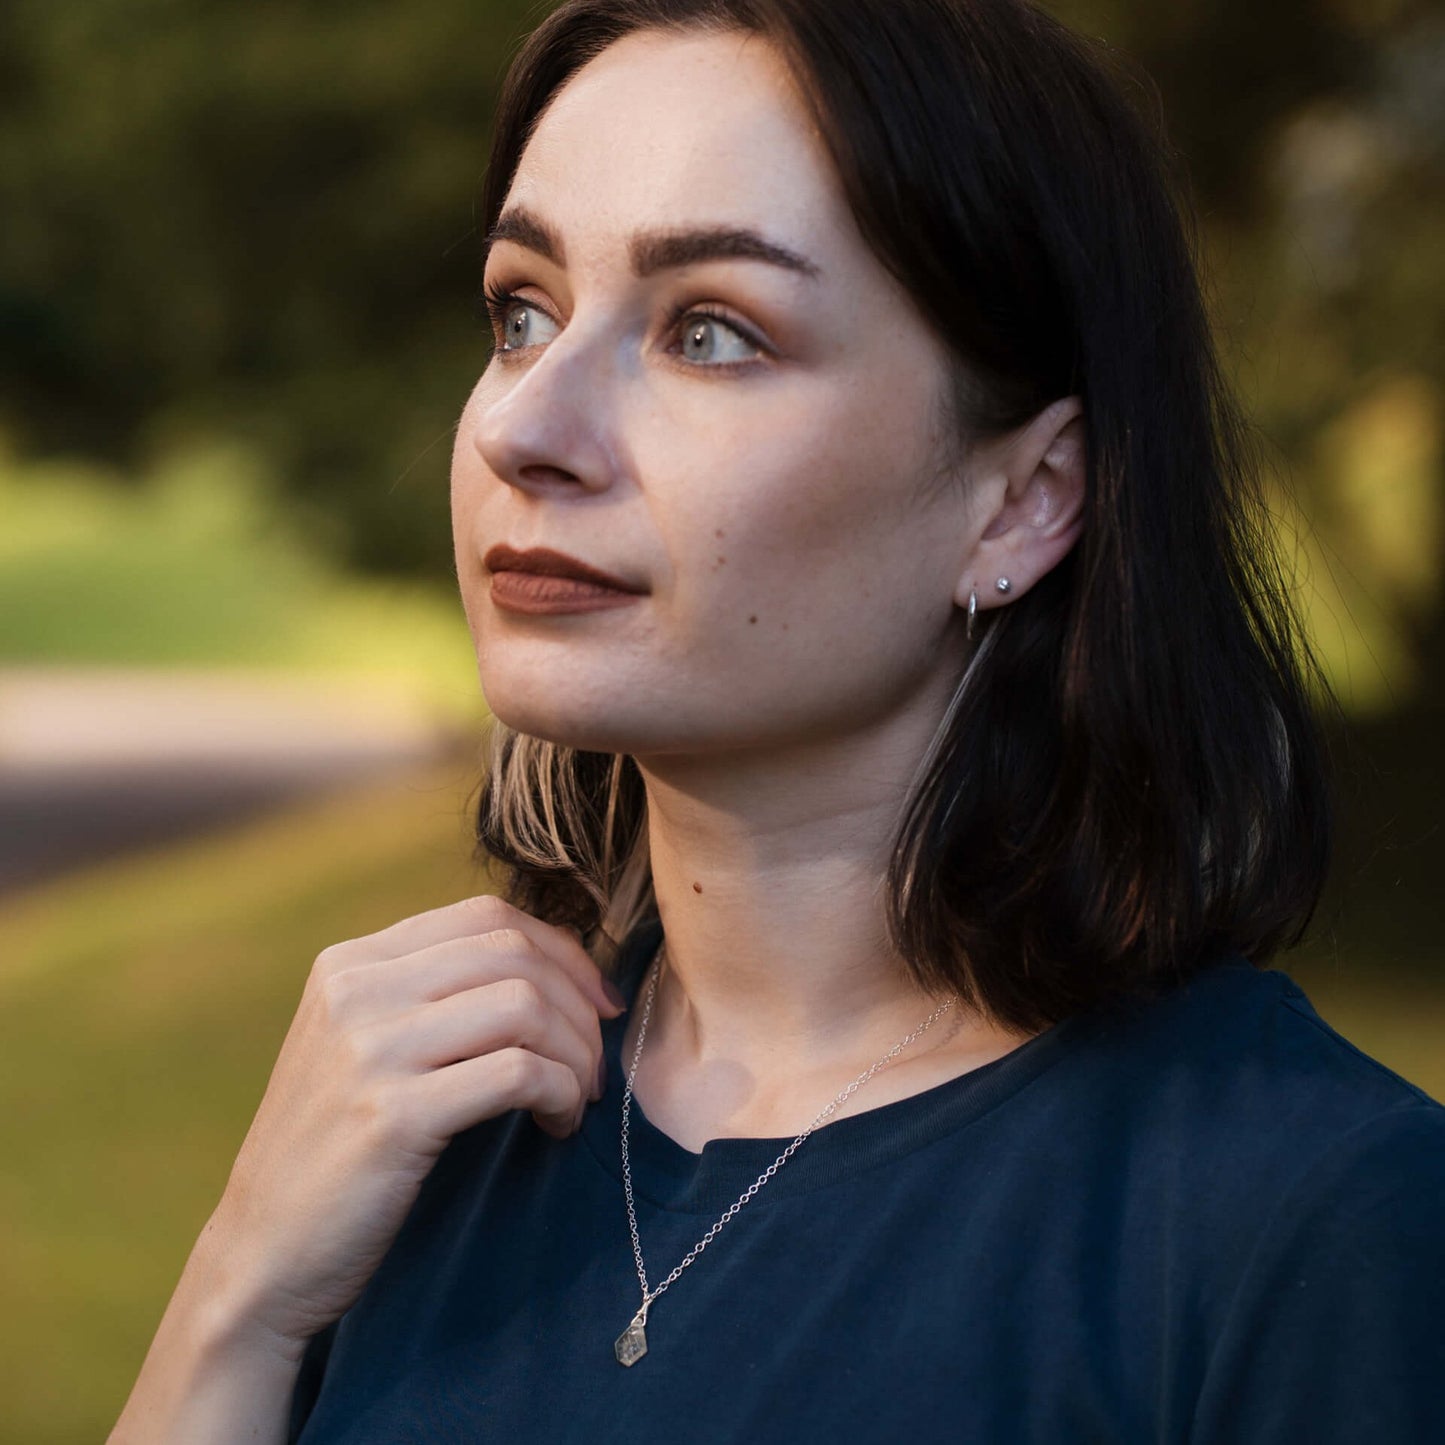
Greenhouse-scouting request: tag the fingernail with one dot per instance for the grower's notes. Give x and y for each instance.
(619, 999)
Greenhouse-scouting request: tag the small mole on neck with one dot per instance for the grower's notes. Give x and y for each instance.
(697, 887)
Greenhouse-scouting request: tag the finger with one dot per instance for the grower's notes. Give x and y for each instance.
(512, 1013)
(390, 985)
(482, 914)
(564, 947)
(472, 1090)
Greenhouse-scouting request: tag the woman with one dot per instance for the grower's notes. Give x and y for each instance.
(858, 544)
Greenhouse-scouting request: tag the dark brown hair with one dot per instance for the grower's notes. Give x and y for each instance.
(1130, 777)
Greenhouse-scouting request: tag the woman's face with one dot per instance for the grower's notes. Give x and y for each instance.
(755, 445)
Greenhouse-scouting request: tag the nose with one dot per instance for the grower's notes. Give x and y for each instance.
(549, 427)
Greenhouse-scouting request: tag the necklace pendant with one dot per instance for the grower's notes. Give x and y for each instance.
(631, 1344)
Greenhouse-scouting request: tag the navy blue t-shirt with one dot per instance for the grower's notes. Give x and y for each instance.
(1204, 1218)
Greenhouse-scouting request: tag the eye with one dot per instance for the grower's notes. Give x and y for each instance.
(711, 339)
(513, 319)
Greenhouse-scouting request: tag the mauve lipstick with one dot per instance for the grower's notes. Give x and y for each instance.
(541, 581)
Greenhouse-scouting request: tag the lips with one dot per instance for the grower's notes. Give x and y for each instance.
(544, 562)
(544, 583)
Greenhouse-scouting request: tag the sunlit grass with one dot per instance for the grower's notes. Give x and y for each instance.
(202, 562)
(144, 1004)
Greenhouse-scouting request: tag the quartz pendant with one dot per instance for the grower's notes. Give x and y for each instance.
(631, 1344)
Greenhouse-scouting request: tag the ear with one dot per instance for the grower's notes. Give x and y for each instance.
(1031, 486)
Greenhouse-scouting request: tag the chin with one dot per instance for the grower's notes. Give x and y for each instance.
(620, 725)
(569, 719)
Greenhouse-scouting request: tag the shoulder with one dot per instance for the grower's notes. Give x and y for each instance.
(1328, 1321)
(1236, 1076)
(1250, 1040)
(1300, 1186)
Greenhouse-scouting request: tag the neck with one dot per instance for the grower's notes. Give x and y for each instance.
(780, 984)
(770, 894)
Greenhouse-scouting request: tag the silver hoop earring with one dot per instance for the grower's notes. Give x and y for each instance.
(972, 610)
(1003, 584)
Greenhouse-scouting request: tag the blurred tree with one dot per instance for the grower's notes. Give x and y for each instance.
(250, 218)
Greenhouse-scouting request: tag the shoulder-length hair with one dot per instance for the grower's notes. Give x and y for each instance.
(1129, 778)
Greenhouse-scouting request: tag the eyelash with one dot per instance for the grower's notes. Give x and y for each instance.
(496, 299)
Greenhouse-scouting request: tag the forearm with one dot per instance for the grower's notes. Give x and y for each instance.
(212, 1376)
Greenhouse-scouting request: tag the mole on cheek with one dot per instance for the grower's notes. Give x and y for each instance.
(697, 887)
(753, 618)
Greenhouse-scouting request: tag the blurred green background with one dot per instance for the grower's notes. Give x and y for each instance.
(238, 263)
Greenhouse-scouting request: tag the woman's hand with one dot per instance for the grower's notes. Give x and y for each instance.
(403, 1038)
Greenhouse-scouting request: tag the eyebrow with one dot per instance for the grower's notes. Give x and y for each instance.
(653, 251)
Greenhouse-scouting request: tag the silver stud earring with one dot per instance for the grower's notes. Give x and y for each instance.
(1003, 584)
(972, 610)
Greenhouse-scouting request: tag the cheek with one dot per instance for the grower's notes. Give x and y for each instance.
(469, 481)
(466, 462)
(820, 508)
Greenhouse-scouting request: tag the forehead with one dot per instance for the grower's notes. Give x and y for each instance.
(665, 128)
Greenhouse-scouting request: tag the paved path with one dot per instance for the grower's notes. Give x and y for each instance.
(95, 761)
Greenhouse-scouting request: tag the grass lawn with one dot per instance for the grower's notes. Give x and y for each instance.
(201, 561)
(145, 1001)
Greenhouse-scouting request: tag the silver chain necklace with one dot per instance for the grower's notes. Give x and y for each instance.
(631, 1345)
